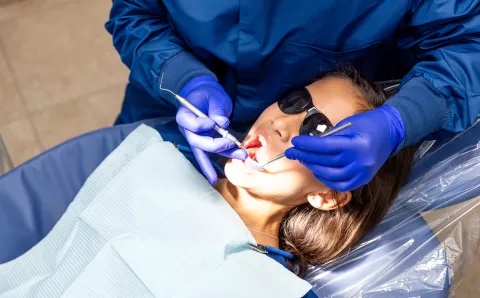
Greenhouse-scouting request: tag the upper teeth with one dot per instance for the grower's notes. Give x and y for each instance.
(262, 140)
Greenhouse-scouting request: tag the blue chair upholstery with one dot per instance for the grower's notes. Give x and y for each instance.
(35, 195)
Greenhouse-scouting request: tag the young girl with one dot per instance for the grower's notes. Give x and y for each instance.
(285, 206)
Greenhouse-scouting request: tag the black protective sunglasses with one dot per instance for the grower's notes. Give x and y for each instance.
(298, 101)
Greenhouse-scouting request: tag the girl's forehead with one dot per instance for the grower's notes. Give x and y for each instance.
(337, 98)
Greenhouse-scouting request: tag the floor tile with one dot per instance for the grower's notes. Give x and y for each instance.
(10, 9)
(62, 52)
(10, 103)
(20, 141)
(13, 8)
(70, 119)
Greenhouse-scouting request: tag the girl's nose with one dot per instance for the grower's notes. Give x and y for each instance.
(288, 126)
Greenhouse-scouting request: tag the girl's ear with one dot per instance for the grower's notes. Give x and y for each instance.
(329, 201)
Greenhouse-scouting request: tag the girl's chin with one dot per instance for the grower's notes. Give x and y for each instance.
(239, 173)
(239, 166)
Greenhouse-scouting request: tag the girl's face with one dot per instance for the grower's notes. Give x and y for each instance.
(285, 181)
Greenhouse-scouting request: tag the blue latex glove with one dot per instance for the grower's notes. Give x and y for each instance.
(350, 158)
(209, 97)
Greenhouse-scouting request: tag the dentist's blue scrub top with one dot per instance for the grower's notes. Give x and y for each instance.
(259, 49)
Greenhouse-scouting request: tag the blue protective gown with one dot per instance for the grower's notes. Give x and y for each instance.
(259, 49)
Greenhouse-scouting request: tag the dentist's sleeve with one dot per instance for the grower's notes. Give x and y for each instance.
(149, 47)
(442, 92)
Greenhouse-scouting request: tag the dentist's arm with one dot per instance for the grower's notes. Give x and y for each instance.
(149, 47)
(442, 92)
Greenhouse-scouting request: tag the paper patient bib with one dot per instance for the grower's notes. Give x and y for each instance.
(147, 224)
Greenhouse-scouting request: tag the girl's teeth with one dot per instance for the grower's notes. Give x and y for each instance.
(262, 140)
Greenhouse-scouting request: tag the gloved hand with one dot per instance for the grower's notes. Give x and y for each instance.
(350, 158)
(209, 97)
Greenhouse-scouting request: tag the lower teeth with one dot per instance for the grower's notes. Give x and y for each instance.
(253, 154)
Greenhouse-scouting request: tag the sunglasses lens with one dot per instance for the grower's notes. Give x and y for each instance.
(294, 102)
(315, 125)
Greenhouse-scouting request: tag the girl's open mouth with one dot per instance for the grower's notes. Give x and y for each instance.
(257, 149)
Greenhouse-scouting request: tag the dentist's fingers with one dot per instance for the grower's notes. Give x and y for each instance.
(218, 109)
(326, 145)
(235, 153)
(207, 143)
(191, 122)
(206, 165)
(332, 160)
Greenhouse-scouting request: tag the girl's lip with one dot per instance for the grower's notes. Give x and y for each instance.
(258, 147)
(264, 138)
(261, 136)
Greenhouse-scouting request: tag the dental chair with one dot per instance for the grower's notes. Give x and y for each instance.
(401, 258)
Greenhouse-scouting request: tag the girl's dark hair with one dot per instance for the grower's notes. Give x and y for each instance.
(315, 236)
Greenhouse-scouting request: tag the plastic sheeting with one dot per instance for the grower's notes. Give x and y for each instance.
(407, 256)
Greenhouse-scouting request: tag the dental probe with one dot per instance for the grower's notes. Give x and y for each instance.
(223, 132)
(260, 167)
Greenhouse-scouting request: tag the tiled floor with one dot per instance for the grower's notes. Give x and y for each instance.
(59, 73)
(60, 77)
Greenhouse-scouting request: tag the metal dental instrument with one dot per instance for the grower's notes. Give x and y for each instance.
(223, 132)
(260, 167)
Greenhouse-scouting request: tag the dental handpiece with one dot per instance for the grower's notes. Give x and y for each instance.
(223, 132)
